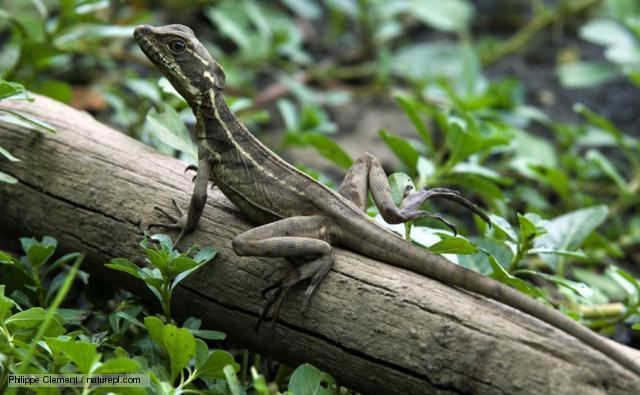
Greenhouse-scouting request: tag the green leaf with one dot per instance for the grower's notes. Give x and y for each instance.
(531, 150)
(58, 90)
(144, 88)
(186, 269)
(205, 255)
(6, 258)
(528, 230)
(232, 380)
(466, 137)
(606, 32)
(167, 128)
(328, 149)
(573, 254)
(307, 379)
(180, 345)
(479, 170)
(117, 366)
(154, 280)
(478, 184)
(26, 121)
(180, 264)
(221, 19)
(504, 226)
(7, 154)
(63, 260)
(84, 355)
(599, 121)
(448, 16)
(130, 318)
(158, 258)
(50, 319)
(164, 240)
(289, 114)
(213, 365)
(124, 265)
(399, 183)
(500, 274)
(634, 76)
(74, 316)
(636, 327)
(154, 326)
(453, 245)
(630, 284)
(426, 170)
(30, 16)
(458, 64)
(303, 8)
(608, 169)
(30, 318)
(569, 231)
(6, 304)
(4, 177)
(409, 106)
(556, 178)
(208, 334)
(259, 382)
(578, 288)
(40, 253)
(585, 74)
(9, 89)
(402, 148)
(83, 36)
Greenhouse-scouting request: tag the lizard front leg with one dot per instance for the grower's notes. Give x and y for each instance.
(187, 223)
(295, 237)
(367, 175)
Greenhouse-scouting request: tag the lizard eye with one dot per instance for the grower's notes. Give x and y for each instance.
(177, 46)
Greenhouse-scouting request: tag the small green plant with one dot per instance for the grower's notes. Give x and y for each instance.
(37, 269)
(51, 339)
(168, 267)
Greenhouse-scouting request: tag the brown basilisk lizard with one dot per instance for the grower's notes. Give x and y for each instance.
(299, 217)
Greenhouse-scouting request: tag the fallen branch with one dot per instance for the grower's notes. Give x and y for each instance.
(376, 328)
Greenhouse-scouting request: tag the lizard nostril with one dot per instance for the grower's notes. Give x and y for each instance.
(141, 30)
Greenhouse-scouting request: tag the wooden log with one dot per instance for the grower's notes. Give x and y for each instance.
(375, 328)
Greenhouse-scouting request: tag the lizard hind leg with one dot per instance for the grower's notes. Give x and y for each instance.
(367, 175)
(303, 238)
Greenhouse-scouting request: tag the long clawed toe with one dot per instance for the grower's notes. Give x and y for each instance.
(275, 293)
(413, 200)
(274, 301)
(178, 222)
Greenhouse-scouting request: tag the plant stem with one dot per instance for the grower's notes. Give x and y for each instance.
(39, 290)
(520, 253)
(535, 25)
(166, 301)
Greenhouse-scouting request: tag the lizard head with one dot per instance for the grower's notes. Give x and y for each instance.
(181, 58)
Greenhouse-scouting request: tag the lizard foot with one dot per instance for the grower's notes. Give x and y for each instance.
(178, 222)
(413, 200)
(316, 270)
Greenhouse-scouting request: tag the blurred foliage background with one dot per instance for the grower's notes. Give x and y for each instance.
(527, 106)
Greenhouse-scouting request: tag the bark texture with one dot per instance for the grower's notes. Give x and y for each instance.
(375, 328)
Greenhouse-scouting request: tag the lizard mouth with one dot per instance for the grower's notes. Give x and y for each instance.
(145, 44)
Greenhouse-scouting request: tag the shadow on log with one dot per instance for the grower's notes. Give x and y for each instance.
(376, 328)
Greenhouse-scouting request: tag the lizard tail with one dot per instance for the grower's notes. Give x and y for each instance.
(399, 253)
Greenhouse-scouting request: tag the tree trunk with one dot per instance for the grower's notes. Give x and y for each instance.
(375, 328)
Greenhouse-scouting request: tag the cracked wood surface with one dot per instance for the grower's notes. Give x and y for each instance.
(376, 328)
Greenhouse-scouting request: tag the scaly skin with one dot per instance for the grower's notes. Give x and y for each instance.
(302, 217)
